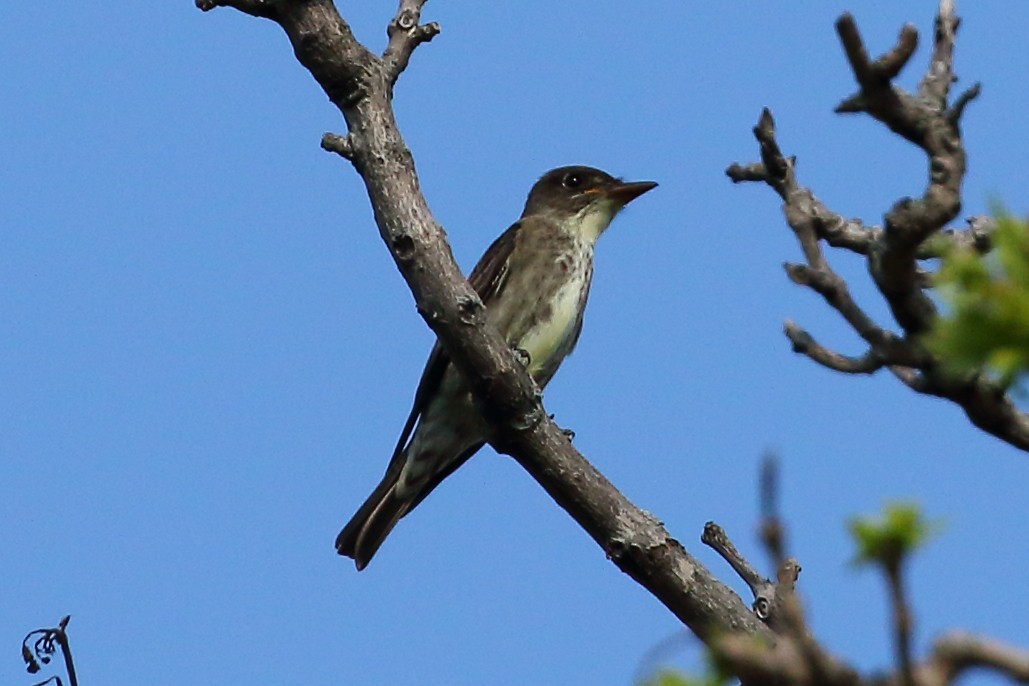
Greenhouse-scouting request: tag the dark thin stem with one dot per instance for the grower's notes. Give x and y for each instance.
(62, 639)
(43, 647)
(901, 621)
(772, 530)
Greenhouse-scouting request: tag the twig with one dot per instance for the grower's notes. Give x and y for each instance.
(405, 34)
(925, 122)
(935, 85)
(805, 344)
(955, 653)
(44, 647)
(775, 603)
(772, 531)
(341, 145)
(902, 619)
(763, 589)
(912, 229)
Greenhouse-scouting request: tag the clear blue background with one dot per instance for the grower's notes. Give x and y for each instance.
(206, 352)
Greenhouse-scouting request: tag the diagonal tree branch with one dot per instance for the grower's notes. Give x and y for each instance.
(359, 84)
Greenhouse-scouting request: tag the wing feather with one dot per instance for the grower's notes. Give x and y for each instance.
(487, 279)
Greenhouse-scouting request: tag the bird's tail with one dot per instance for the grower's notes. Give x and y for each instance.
(368, 528)
(373, 521)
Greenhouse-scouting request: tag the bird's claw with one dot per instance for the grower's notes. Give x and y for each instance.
(523, 356)
(569, 434)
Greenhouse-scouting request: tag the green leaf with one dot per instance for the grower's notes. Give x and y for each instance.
(987, 328)
(886, 538)
(713, 675)
(668, 677)
(671, 677)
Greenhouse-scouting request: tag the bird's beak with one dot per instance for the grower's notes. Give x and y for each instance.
(623, 193)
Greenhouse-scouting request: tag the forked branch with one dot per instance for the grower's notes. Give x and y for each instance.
(913, 229)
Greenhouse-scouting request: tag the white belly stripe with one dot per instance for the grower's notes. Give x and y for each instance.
(542, 343)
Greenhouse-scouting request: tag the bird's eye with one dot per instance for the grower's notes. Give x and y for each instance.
(572, 180)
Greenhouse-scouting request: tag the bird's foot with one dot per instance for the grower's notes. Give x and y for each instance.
(569, 434)
(523, 356)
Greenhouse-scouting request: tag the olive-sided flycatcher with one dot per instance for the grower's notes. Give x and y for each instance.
(534, 281)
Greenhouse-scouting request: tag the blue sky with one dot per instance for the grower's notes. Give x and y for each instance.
(207, 352)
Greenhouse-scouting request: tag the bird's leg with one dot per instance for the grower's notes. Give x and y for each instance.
(569, 434)
(523, 356)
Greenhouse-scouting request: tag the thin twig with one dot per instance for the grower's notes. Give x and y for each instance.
(955, 653)
(902, 620)
(43, 648)
(772, 531)
(341, 145)
(405, 34)
(805, 344)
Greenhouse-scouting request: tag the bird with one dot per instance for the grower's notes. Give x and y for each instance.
(534, 281)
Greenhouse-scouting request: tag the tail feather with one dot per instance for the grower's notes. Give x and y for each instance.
(375, 519)
(382, 520)
(372, 522)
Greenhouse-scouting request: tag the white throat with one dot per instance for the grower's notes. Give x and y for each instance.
(592, 221)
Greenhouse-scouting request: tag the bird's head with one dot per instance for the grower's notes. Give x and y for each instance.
(582, 199)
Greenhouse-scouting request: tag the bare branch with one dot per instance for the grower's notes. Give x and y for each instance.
(749, 172)
(359, 84)
(913, 229)
(805, 344)
(811, 221)
(46, 644)
(984, 402)
(341, 145)
(935, 85)
(875, 74)
(957, 652)
(772, 531)
(763, 589)
(957, 110)
(405, 34)
(835, 292)
(902, 619)
(926, 122)
(854, 236)
(783, 662)
(774, 601)
(977, 237)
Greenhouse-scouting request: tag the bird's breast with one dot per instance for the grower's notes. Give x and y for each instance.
(549, 332)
